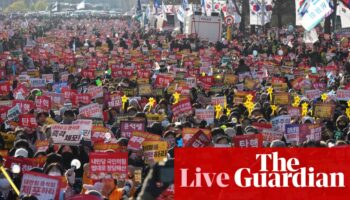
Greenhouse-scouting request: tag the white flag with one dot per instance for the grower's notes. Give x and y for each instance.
(297, 16)
(81, 5)
(344, 13)
(313, 12)
(260, 14)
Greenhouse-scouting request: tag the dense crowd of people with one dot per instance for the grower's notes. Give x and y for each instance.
(76, 89)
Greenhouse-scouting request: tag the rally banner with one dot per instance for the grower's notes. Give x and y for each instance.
(93, 110)
(69, 134)
(293, 173)
(206, 115)
(108, 165)
(13, 112)
(86, 126)
(278, 123)
(37, 83)
(188, 133)
(43, 103)
(25, 164)
(127, 127)
(138, 137)
(81, 99)
(98, 133)
(155, 151)
(57, 99)
(42, 186)
(343, 95)
(200, 139)
(250, 140)
(324, 110)
(24, 105)
(182, 108)
(27, 120)
(95, 92)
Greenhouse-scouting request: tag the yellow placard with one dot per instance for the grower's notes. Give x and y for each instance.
(323, 110)
(155, 151)
(281, 98)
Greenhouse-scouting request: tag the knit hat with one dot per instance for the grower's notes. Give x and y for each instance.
(21, 152)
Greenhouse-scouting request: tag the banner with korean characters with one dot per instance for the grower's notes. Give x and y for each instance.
(155, 151)
(107, 165)
(69, 134)
(42, 186)
(138, 137)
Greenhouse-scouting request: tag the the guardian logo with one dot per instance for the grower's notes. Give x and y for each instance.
(284, 173)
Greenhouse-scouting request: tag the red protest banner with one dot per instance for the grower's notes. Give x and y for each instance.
(182, 108)
(24, 105)
(43, 103)
(138, 137)
(127, 127)
(27, 120)
(42, 186)
(5, 88)
(115, 100)
(92, 110)
(57, 99)
(109, 165)
(163, 80)
(21, 89)
(81, 98)
(25, 164)
(200, 139)
(68, 93)
(88, 73)
(268, 133)
(252, 140)
(98, 133)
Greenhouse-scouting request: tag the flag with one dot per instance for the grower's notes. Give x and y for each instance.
(54, 7)
(260, 12)
(81, 5)
(164, 11)
(344, 13)
(313, 12)
(181, 14)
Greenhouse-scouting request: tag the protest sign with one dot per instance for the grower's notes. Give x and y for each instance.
(281, 98)
(5, 88)
(313, 94)
(182, 108)
(27, 120)
(324, 111)
(24, 105)
(230, 79)
(206, 115)
(127, 127)
(48, 77)
(144, 90)
(278, 123)
(81, 99)
(200, 139)
(41, 145)
(93, 110)
(188, 133)
(3, 113)
(98, 133)
(101, 146)
(115, 101)
(21, 89)
(219, 101)
(108, 165)
(68, 93)
(95, 92)
(57, 99)
(294, 111)
(69, 134)
(85, 126)
(292, 133)
(251, 140)
(155, 151)
(268, 133)
(13, 112)
(43, 103)
(37, 83)
(343, 95)
(42, 186)
(315, 132)
(25, 164)
(138, 137)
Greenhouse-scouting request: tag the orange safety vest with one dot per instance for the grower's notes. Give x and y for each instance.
(116, 194)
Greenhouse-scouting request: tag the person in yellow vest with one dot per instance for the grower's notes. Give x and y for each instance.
(110, 189)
